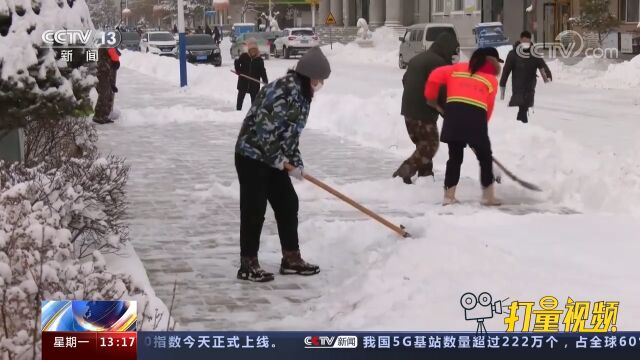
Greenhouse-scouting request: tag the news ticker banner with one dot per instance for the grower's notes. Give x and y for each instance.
(326, 345)
(99, 330)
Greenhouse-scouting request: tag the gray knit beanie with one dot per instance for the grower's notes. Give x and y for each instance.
(314, 65)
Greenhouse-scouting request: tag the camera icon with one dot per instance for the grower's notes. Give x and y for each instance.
(479, 309)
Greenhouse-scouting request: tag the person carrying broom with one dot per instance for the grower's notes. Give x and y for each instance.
(266, 156)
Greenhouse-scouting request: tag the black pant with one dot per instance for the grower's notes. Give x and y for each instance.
(522, 114)
(456, 156)
(260, 183)
(242, 94)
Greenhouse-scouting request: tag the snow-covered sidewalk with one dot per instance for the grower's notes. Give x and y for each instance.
(184, 225)
(184, 209)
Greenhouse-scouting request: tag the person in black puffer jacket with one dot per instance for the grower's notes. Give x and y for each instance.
(524, 65)
(252, 65)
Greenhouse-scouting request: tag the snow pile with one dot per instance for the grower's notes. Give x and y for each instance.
(202, 79)
(599, 73)
(384, 50)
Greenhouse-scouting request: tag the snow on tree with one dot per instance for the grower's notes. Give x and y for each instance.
(103, 13)
(33, 84)
(596, 17)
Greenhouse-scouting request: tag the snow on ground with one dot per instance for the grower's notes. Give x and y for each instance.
(580, 146)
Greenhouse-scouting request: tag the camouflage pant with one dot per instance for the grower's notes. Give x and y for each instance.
(106, 96)
(423, 133)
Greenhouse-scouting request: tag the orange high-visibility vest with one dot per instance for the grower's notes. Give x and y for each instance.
(477, 89)
(113, 55)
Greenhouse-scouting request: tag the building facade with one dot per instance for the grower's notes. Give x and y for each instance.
(464, 15)
(547, 19)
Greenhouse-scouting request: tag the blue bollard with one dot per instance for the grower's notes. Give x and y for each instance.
(182, 48)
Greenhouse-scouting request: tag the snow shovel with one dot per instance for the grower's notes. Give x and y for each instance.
(512, 176)
(400, 230)
(248, 77)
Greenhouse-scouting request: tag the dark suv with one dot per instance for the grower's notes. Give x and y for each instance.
(202, 49)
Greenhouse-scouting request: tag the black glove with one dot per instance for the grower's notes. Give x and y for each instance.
(114, 88)
(116, 65)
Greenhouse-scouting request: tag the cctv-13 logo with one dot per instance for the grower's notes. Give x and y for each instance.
(524, 316)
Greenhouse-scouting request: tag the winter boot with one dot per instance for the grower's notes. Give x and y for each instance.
(404, 171)
(489, 196)
(426, 170)
(250, 270)
(102, 121)
(292, 264)
(449, 196)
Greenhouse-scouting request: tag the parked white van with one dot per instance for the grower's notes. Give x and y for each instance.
(420, 37)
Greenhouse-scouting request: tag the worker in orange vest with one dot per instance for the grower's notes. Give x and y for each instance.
(471, 93)
(108, 65)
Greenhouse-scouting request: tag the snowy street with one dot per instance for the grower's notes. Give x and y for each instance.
(576, 239)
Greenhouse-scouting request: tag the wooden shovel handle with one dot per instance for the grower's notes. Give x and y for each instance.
(397, 229)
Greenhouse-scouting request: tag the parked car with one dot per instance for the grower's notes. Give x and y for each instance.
(272, 36)
(158, 42)
(295, 41)
(419, 38)
(490, 34)
(202, 49)
(130, 41)
(239, 46)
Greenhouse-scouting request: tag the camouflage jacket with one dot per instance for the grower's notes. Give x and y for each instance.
(271, 130)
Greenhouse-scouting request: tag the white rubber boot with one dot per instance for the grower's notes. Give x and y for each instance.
(449, 196)
(489, 196)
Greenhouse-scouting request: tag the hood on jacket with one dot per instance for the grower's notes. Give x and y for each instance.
(446, 45)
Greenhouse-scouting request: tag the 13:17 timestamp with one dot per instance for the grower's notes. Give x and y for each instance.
(108, 341)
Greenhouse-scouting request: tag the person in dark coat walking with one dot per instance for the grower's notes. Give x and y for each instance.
(252, 65)
(524, 65)
(216, 35)
(471, 92)
(267, 154)
(108, 65)
(207, 30)
(420, 118)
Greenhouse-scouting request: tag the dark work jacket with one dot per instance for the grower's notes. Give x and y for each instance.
(523, 81)
(414, 104)
(250, 67)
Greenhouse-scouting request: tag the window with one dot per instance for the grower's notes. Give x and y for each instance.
(458, 5)
(434, 32)
(630, 10)
(438, 6)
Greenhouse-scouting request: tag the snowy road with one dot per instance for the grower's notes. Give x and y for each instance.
(184, 205)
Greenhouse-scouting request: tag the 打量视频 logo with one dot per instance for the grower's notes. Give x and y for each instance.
(545, 315)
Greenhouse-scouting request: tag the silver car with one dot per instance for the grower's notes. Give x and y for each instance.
(419, 38)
